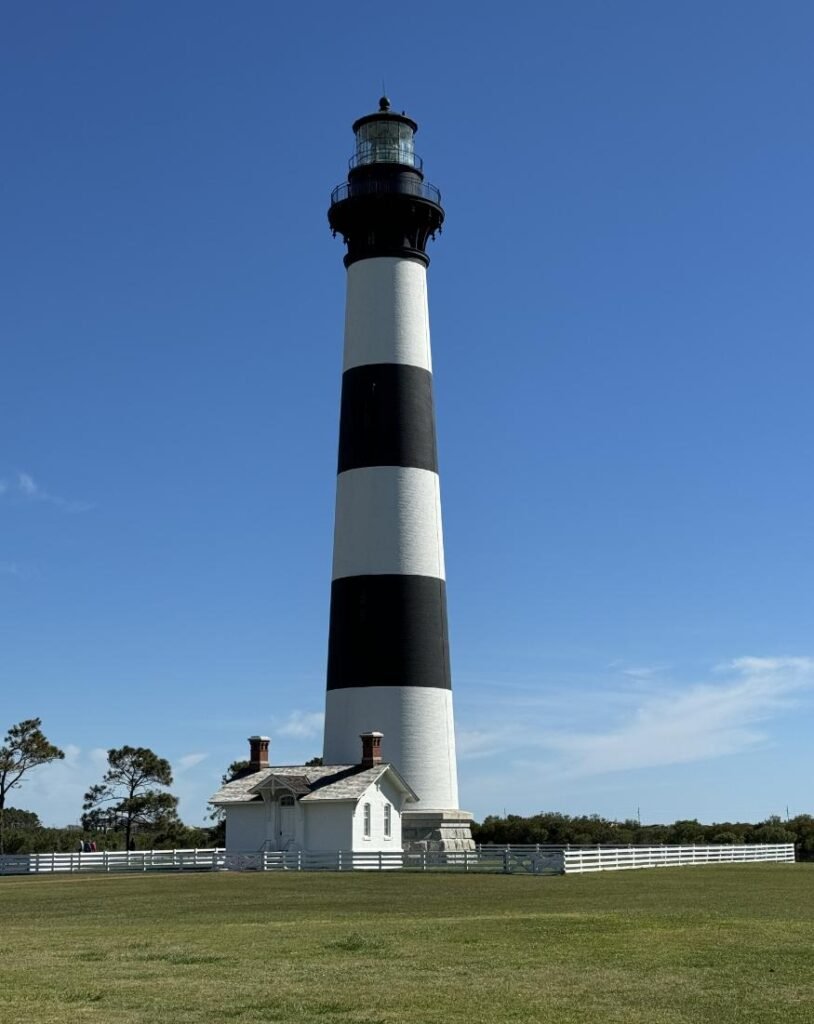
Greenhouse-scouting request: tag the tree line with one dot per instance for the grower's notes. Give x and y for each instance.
(564, 829)
(132, 807)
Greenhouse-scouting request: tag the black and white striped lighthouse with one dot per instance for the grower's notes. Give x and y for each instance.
(388, 651)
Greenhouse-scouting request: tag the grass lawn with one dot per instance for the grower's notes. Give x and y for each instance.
(728, 943)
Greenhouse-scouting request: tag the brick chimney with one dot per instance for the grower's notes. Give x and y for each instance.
(258, 753)
(371, 748)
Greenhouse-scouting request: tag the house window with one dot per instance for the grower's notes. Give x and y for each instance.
(286, 801)
(367, 821)
(388, 810)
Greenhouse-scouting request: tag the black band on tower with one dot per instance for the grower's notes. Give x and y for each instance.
(388, 631)
(387, 418)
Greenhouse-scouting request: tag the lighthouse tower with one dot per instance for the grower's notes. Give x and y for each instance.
(388, 651)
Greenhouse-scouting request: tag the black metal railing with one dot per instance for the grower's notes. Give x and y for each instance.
(377, 186)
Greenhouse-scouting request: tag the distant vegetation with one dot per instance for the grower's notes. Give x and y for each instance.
(562, 829)
(25, 833)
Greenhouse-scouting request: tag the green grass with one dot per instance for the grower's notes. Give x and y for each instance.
(706, 944)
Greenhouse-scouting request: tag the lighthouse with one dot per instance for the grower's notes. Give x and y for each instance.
(388, 647)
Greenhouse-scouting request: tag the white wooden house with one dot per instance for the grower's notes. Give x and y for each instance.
(355, 807)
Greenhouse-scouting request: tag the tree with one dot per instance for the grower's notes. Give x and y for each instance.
(125, 796)
(772, 831)
(25, 747)
(21, 821)
(234, 771)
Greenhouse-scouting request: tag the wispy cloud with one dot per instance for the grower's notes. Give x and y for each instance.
(725, 714)
(702, 721)
(97, 756)
(642, 671)
(55, 791)
(24, 487)
(188, 761)
(474, 743)
(302, 725)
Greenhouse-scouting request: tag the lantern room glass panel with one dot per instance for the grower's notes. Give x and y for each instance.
(385, 142)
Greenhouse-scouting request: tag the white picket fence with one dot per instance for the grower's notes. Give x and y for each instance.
(313, 860)
(577, 860)
(514, 859)
(115, 860)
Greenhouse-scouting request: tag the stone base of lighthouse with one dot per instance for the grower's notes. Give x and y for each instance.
(431, 831)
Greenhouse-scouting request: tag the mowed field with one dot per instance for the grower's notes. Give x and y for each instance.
(718, 944)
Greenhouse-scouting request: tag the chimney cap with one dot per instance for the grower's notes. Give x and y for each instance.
(260, 738)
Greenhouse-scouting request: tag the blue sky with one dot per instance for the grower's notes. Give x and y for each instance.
(622, 312)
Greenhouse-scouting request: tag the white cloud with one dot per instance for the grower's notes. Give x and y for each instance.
(642, 671)
(691, 723)
(302, 725)
(54, 791)
(71, 752)
(98, 756)
(474, 743)
(189, 761)
(596, 749)
(614, 728)
(25, 488)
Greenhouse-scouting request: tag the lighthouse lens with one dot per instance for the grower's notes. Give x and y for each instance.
(385, 142)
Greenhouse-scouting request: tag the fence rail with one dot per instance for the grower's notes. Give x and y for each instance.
(538, 859)
(114, 860)
(584, 859)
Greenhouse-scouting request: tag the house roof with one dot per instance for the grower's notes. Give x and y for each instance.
(309, 783)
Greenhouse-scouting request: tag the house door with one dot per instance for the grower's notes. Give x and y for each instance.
(286, 821)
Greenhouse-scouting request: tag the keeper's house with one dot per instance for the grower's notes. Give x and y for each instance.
(354, 807)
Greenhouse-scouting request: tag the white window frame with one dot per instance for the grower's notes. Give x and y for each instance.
(367, 819)
(388, 821)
